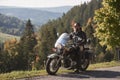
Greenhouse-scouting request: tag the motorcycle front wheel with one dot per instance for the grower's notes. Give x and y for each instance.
(52, 66)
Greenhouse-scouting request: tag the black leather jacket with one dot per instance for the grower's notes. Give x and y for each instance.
(81, 35)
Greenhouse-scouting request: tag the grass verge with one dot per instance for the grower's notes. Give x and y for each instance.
(25, 74)
(104, 65)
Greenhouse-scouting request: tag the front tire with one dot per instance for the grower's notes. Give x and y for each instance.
(52, 66)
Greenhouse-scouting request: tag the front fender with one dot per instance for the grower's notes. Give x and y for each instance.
(54, 55)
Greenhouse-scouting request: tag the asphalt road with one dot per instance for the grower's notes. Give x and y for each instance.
(112, 73)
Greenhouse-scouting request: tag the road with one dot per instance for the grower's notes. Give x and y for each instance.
(112, 73)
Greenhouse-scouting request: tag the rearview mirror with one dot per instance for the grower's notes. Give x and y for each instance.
(58, 34)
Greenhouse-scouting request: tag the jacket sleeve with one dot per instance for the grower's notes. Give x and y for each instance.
(84, 38)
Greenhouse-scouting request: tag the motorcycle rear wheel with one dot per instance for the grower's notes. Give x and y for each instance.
(84, 65)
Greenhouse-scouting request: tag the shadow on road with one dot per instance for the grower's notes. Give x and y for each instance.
(92, 74)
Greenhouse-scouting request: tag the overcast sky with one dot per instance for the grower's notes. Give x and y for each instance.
(40, 3)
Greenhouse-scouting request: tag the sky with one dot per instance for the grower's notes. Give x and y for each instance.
(40, 3)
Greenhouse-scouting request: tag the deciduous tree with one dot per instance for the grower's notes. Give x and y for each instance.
(108, 22)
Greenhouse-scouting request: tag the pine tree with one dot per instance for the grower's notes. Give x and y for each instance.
(48, 37)
(28, 42)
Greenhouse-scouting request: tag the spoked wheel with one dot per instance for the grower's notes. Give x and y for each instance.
(84, 64)
(52, 66)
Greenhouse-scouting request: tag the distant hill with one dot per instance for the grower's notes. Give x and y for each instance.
(38, 16)
(62, 9)
(11, 25)
(4, 37)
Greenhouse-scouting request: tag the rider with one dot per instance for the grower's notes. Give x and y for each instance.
(77, 31)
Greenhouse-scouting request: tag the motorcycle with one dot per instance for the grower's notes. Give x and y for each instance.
(65, 57)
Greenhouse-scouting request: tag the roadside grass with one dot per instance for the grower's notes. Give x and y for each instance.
(27, 74)
(104, 65)
(21, 74)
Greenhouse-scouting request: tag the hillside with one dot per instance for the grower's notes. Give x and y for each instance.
(11, 25)
(80, 13)
(38, 16)
(4, 37)
(61, 9)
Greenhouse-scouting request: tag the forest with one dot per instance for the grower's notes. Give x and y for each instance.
(100, 21)
(11, 25)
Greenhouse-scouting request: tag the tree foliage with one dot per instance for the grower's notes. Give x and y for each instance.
(19, 55)
(48, 36)
(108, 21)
(89, 30)
(27, 44)
(9, 55)
(11, 25)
